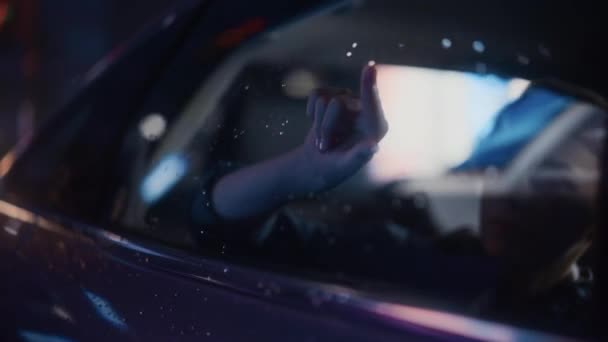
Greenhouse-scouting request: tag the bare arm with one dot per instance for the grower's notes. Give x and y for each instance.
(257, 188)
(343, 138)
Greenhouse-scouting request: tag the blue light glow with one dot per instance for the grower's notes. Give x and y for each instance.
(105, 310)
(32, 336)
(163, 177)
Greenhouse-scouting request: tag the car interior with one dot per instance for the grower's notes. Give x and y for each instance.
(459, 128)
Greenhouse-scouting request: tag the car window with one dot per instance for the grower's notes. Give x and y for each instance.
(480, 197)
(477, 170)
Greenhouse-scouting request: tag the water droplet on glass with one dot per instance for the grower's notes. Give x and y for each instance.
(524, 60)
(446, 43)
(544, 51)
(481, 68)
(479, 46)
(168, 20)
(371, 63)
(354, 45)
(348, 54)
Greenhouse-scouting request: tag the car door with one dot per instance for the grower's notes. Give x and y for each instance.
(84, 256)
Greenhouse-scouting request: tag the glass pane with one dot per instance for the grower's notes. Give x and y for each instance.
(480, 196)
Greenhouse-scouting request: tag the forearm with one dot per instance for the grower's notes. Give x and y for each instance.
(256, 189)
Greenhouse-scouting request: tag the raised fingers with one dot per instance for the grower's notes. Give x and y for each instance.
(369, 98)
(325, 94)
(331, 118)
(372, 121)
(319, 113)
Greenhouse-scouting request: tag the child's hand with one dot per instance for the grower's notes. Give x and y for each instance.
(344, 135)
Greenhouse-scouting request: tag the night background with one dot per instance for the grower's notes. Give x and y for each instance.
(109, 171)
(46, 46)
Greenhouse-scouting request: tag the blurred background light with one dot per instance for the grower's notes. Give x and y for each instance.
(152, 126)
(479, 46)
(163, 177)
(299, 83)
(35, 336)
(4, 13)
(105, 310)
(442, 113)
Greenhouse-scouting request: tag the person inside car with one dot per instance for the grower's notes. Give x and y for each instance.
(536, 232)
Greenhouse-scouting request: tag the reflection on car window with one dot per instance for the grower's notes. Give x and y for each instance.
(337, 156)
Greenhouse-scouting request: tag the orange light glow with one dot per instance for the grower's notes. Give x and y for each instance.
(6, 162)
(234, 36)
(3, 14)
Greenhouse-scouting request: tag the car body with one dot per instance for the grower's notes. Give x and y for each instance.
(70, 274)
